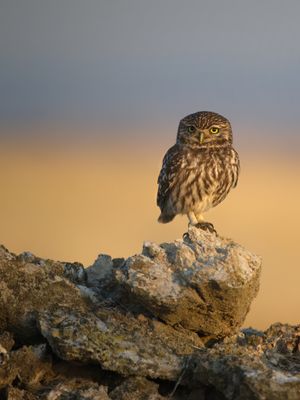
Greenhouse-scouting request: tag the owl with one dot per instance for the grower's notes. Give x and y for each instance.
(199, 170)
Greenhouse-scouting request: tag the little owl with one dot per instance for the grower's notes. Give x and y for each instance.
(199, 170)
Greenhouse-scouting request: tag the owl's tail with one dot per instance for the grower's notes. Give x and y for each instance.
(165, 218)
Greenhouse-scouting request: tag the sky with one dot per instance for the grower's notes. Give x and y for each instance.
(120, 62)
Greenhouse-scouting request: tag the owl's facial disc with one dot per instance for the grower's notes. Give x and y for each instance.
(204, 128)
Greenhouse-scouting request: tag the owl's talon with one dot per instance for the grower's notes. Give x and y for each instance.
(186, 236)
(206, 226)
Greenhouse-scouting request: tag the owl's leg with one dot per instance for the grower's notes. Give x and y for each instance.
(192, 218)
(199, 218)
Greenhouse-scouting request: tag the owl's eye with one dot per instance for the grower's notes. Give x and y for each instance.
(191, 129)
(214, 130)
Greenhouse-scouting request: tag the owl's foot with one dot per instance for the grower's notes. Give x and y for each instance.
(206, 226)
(186, 236)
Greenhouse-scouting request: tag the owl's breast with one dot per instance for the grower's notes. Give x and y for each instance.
(209, 177)
(201, 180)
(222, 171)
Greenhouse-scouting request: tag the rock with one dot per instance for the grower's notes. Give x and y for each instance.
(37, 298)
(101, 271)
(34, 365)
(118, 342)
(123, 321)
(6, 341)
(78, 390)
(13, 393)
(30, 364)
(6, 344)
(27, 287)
(252, 365)
(198, 394)
(136, 388)
(204, 282)
(75, 272)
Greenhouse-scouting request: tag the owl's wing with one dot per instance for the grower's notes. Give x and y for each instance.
(236, 163)
(172, 162)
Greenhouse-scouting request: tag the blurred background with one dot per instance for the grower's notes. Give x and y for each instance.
(91, 93)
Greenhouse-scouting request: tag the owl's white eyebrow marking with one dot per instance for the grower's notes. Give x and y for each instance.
(215, 126)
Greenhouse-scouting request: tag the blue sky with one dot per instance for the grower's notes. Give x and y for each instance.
(118, 61)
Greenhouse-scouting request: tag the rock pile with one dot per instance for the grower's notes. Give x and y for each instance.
(162, 324)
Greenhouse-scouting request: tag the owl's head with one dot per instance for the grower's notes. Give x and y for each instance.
(204, 128)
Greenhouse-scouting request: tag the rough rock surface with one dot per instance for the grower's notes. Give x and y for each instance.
(203, 282)
(78, 389)
(28, 285)
(37, 298)
(136, 388)
(118, 342)
(171, 314)
(252, 365)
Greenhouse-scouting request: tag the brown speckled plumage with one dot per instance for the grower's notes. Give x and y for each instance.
(199, 170)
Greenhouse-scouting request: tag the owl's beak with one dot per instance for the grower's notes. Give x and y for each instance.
(201, 137)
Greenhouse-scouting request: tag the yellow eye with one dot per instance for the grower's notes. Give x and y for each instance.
(214, 130)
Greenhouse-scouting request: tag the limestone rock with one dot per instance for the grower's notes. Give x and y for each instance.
(14, 393)
(29, 284)
(6, 341)
(78, 390)
(252, 365)
(100, 272)
(31, 364)
(125, 322)
(136, 388)
(39, 297)
(203, 282)
(200, 275)
(118, 342)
